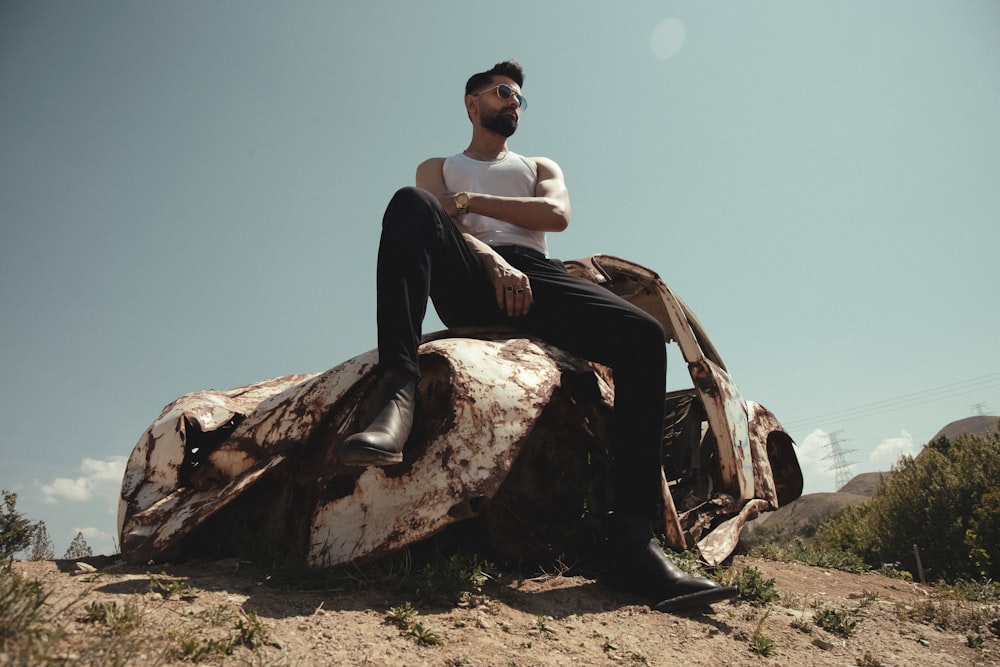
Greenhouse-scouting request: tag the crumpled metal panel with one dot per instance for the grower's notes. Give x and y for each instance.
(153, 470)
(780, 482)
(716, 546)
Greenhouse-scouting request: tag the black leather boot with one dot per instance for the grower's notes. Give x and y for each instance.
(381, 444)
(638, 565)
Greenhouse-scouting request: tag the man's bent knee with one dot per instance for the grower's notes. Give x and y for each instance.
(411, 212)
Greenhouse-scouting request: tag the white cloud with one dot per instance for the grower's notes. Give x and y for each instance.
(64, 488)
(816, 472)
(98, 479)
(889, 450)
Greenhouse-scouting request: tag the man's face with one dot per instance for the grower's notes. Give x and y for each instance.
(496, 113)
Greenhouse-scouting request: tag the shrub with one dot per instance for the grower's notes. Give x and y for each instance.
(16, 532)
(944, 501)
(753, 587)
(837, 621)
(444, 581)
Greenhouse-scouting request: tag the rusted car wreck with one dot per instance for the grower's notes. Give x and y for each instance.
(508, 429)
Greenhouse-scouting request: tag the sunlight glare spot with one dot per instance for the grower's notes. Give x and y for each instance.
(668, 38)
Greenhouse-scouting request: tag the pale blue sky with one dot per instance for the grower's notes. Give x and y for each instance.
(190, 197)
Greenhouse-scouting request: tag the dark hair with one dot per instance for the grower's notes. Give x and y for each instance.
(508, 68)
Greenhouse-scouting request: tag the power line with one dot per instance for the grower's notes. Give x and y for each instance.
(907, 400)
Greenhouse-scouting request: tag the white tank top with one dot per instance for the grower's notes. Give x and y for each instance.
(510, 176)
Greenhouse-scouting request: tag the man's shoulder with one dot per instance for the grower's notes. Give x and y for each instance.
(544, 165)
(432, 162)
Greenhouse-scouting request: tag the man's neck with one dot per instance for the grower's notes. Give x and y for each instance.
(487, 146)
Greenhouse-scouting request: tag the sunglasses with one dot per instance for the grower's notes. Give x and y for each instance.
(506, 92)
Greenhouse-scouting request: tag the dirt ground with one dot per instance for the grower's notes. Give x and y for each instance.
(190, 609)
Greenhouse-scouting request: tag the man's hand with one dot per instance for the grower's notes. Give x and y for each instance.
(513, 289)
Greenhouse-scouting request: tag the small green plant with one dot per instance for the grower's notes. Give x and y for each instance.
(250, 630)
(837, 621)
(401, 616)
(760, 643)
(424, 635)
(444, 582)
(170, 588)
(541, 625)
(685, 560)
(218, 615)
(802, 625)
(974, 640)
(119, 620)
(753, 587)
(197, 649)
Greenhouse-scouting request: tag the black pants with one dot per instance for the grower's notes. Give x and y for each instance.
(422, 254)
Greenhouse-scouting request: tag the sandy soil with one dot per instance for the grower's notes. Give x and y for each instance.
(549, 620)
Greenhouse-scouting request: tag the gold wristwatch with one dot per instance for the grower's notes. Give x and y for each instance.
(462, 202)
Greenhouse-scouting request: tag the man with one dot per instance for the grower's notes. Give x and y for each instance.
(471, 237)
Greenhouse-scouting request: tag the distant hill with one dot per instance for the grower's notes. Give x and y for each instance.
(800, 517)
(980, 425)
(864, 484)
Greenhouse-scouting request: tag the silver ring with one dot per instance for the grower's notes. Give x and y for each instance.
(520, 290)
(510, 288)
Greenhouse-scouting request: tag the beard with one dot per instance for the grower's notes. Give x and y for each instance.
(500, 123)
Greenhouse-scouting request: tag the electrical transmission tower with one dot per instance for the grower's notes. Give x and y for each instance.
(838, 455)
(979, 409)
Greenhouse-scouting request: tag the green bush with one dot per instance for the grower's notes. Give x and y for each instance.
(16, 532)
(753, 587)
(944, 501)
(444, 581)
